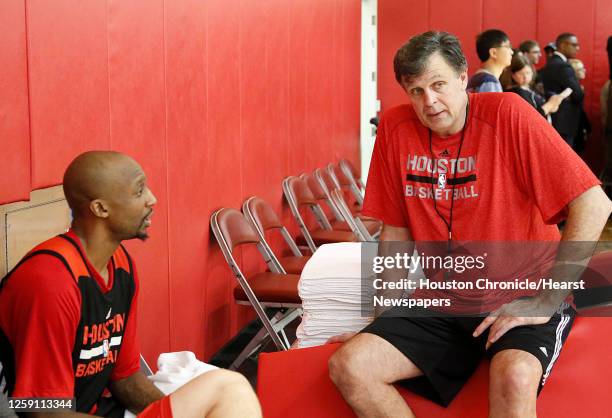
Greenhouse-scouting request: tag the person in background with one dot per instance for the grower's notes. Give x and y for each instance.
(579, 69)
(505, 78)
(605, 96)
(606, 116)
(522, 73)
(531, 50)
(495, 53)
(559, 75)
(584, 127)
(549, 50)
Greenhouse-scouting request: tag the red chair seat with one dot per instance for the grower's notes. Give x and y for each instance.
(271, 287)
(579, 385)
(294, 264)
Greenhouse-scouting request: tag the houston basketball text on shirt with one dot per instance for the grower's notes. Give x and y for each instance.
(447, 175)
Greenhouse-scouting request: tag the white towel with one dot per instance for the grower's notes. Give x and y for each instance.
(174, 370)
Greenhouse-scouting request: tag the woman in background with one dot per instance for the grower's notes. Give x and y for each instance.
(522, 74)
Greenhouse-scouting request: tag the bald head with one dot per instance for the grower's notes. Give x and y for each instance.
(97, 175)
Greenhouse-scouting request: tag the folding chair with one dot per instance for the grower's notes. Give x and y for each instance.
(259, 213)
(262, 290)
(322, 195)
(349, 168)
(330, 181)
(369, 227)
(341, 223)
(344, 178)
(298, 195)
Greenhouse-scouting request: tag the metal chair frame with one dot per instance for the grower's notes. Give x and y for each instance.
(271, 327)
(248, 213)
(337, 198)
(328, 200)
(353, 222)
(349, 170)
(331, 169)
(315, 208)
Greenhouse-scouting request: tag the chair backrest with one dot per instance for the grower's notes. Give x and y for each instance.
(298, 194)
(355, 224)
(321, 193)
(328, 181)
(261, 213)
(344, 179)
(234, 229)
(348, 167)
(262, 216)
(340, 176)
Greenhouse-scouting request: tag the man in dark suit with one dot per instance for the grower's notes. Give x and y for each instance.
(558, 75)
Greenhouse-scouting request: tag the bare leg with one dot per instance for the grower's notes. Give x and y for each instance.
(216, 394)
(364, 370)
(514, 377)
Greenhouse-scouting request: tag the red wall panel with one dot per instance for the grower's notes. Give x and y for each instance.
(138, 128)
(224, 156)
(464, 19)
(67, 63)
(518, 19)
(298, 41)
(398, 21)
(351, 83)
(187, 145)
(14, 113)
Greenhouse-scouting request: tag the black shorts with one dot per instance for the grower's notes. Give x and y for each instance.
(444, 349)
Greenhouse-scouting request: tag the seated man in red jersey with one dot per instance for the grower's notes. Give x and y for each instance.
(459, 168)
(68, 309)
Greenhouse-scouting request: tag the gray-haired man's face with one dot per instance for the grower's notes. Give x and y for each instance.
(438, 96)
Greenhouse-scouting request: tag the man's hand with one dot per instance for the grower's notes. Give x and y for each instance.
(516, 313)
(341, 338)
(135, 392)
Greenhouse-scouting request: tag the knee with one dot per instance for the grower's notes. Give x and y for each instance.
(514, 379)
(226, 381)
(346, 368)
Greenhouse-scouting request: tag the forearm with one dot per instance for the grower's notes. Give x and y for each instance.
(587, 217)
(135, 392)
(393, 241)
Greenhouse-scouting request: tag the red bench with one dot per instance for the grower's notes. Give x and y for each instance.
(295, 383)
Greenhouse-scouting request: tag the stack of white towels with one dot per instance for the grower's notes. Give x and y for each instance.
(331, 291)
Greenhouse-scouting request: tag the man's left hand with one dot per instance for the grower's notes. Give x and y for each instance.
(516, 313)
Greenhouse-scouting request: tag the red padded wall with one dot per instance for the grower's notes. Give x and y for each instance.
(217, 100)
(14, 112)
(69, 78)
(187, 168)
(541, 20)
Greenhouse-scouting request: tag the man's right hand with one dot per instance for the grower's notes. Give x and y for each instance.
(341, 338)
